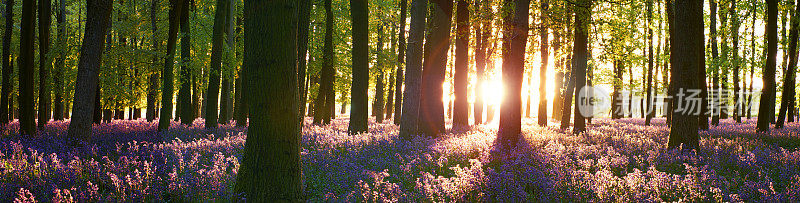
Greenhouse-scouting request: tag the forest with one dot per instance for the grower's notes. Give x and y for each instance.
(399, 101)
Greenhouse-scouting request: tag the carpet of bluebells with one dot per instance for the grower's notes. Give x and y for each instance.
(622, 160)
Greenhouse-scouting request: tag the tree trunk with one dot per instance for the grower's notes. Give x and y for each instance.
(545, 54)
(360, 54)
(27, 124)
(787, 99)
(169, 62)
(379, 97)
(617, 111)
(580, 53)
(322, 113)
(58, 78)
(6, 108)
(226, 101)
(152, 85)
(390, 97)
(86, 84)
(461, 75)
(401, 62)
(650, 108)
(482, 30)
(212, 105)
(97, 115)
(44, 62)
(270, 169)
(184, 93)
(431, 118)
(768, 93)
(752, 65)
(688, 58)
(304, 22)
(515, 38)
(737, 109)
(714, 65)
(409, 124)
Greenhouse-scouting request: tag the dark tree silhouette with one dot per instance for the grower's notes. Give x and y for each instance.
(409, 124)
(768, 93)
(27, 124)
(184, 93)
(152, 85)
(482, 32)
(58, 77)
(461, 105)
(431, 111)
(650, 109)
(322, 112)
(44, 62)
(714, 64)
(788, 97)
(687, 57)
(515, 38)
(5, 96)
(401, 62)
(169, 62)
(304, 22)
(580, 54)
(226, 102)
(86, 83)
(270, 169)
(545, 54)
(359, 11)
(212, 102)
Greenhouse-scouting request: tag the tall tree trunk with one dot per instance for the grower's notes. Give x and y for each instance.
(390, 97)
(27, 124)
(752, 63)
(617, 111)
(688, 58)
(580, 53)
(97, 115)
(545, 54)
(86, 84)
(360, 54)
(6, 108)
(737, 108)
(44, 62)
(322, 113)
(215, 72)
(482, 30)
(58, 78)
(379, 96)
(304, 22)
(409, 124)
(226, 101)
(401, 63)
(650, 108)
(152, 85)
(184, 93)
(461, 75)
(270, 169)
(768, 93)
(169, 62)
(431, 111)
(515, 38)
(787, 99)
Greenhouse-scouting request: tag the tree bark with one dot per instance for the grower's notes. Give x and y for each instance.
(431, 118)
(270, 169)
(58, 78)
(44, 63)
(169, 62)
(545, 54)
(401, 63)
(650, 110)
(184, 93)
(768, 93)
(86, 83)
(461, 75)
(27, 124)
(304, 22)
(515, 38)
(788, 93)
(6, 109)
(580, 53)
(409, 124)
(360, 53)
(152, 85)
(212, 105)
(322, 113)
(687, 57)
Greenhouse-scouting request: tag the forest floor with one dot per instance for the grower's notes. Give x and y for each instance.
(615, 160)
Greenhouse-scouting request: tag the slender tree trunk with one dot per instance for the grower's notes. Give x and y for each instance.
(688, 58)
(322, 111)
(787, 99)
(616, 96)
(270, 169)
(379, 96)
(212, 105)
(401, 63)
(86, 84)
(436, 48)
(152, 85)
(184, 93)
(97, 115)
(515, 38)
(27, 124)
(543, 50)
(768, 93)
(482, 30)
(752, 64)
(580, 53)
(359, 11)
(58, 78)
(226, 102)
(390, 97)
(409, 124)
(169, 62)
(6, 107)
(44, 62)
(304, 22)
(461, 75)
(650, 109)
